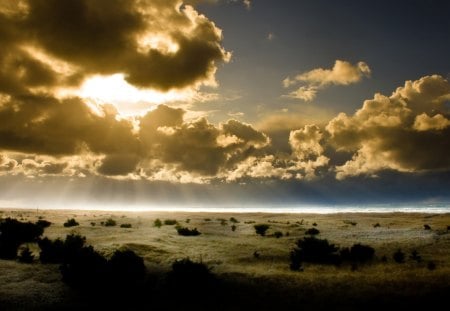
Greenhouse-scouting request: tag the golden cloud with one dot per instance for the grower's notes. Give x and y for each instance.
(342, 73)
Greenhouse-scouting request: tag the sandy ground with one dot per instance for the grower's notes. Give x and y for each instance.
(230, 252)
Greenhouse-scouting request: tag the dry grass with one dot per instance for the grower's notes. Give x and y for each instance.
(230, 253)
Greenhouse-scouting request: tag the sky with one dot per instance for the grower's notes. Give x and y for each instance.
(171, 102)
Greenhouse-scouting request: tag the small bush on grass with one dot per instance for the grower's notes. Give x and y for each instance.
(157, 223)
(187, 232)
(125, 226)
(278, 234)
(71, 223)
(312, 231)
(426, 227)
(170, 222)
(415, 256)
(261, 229)
(431, 266)
(234, 220)
(399, 256)
(233, 228)
(313, 250)
(110, 222)
(358, 253)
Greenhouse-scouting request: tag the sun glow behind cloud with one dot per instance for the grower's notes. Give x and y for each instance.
(128, 99)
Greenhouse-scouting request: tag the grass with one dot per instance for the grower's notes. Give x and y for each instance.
(230, 254)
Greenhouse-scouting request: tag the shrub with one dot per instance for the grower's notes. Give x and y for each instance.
(278, 234)
(170, 222)
(376, 225)
(431, 266)
(233, 228)
(157, 223)
(71, 223)
(189, 278)
(399, 256)
(125, 226)
(349, 222)
(59, 251)
(427, 227)
(126, 267)
(312, 231)
(234, 220)
(13, 233)
(86, 269)
(415, 256)
(110, 222)
(43, 223)
(26, 256)
(187, 232)
(314, 224)
(93, 224)
(261, 229)
(207, 219)
(311, 249)
(358, 253)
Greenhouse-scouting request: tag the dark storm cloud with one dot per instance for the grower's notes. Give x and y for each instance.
(45, 125)
(156, 44)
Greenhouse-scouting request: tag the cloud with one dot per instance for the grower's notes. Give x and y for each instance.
(394, 133)
(342, 73)
(154, 44)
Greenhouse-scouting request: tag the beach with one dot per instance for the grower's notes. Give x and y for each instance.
(230, 247)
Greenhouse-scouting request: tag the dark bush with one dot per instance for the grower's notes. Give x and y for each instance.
(234, 220)
(110, 223)
(86, 269)
(431, 266)
(358, 253)
(278, 234)
(377, 225)
(314, 224)
(51, 251)
(43, 223)
(261, 229)
(415, 256)
(92, 224)
(71, 223)
(233, 228)
(125, 226)
(157, 223)
(188, 232)
(312, 231)
(13, 233)
(59, 251)
(126, 267)
(427, 227)
(311, 249)
(399, 256)
(26, 256)
(170, 222)
(188, 277)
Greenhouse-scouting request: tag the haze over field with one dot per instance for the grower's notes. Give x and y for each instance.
(150, 103)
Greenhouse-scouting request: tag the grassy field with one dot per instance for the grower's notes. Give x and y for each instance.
(255, 268)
